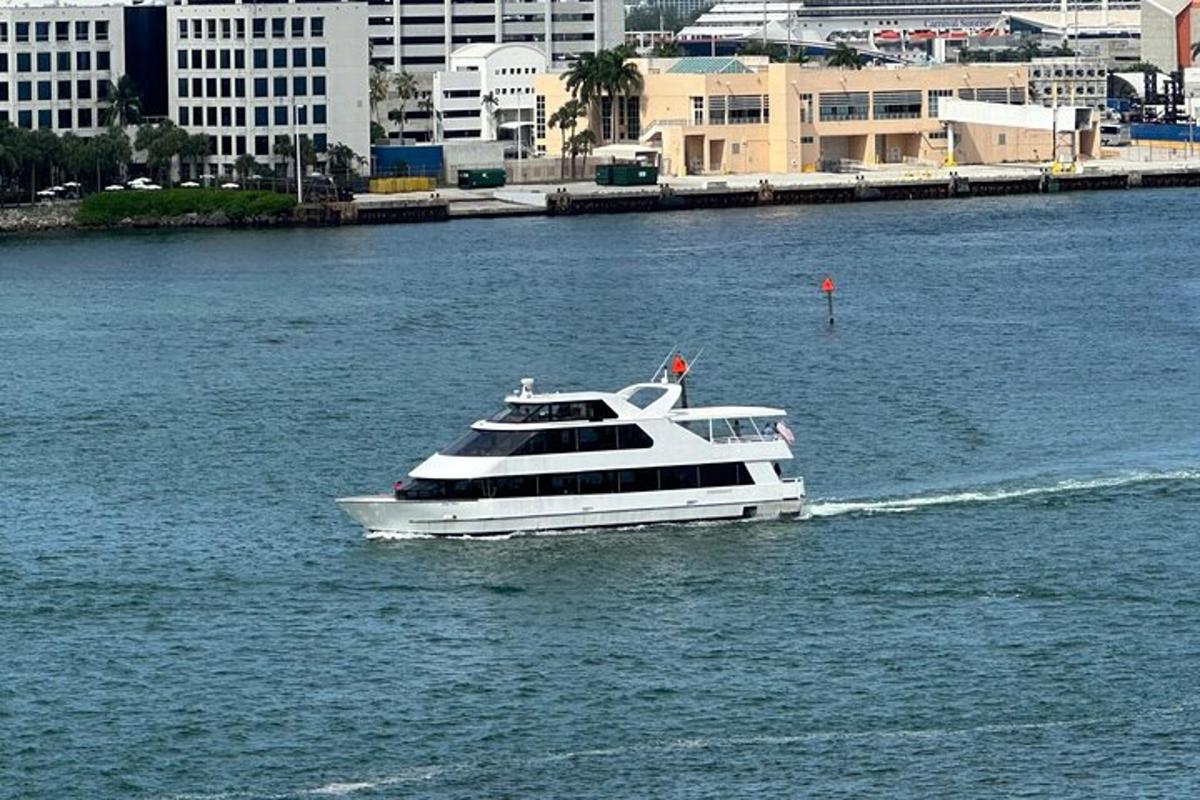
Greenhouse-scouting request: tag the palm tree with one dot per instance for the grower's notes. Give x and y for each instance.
(583, 79)
(246, 167)
(342, 160)
(566, 118)
(844, 57)
(427, 105)
(193, 150)
(671, 49)
(406, 89)
(582, 144)
(285, 150)
(377, 89)
(491, 105)
(123, 106)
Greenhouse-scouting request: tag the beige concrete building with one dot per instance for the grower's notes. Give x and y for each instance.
(730, 115)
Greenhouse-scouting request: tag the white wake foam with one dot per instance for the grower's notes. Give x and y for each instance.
(836, 507)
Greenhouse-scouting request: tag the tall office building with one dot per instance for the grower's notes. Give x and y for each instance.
(419, 35)
(247, 74)
(56, 63)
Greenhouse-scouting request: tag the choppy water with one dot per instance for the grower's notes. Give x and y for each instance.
(996, 595)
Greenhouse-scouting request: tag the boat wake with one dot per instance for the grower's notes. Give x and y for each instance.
(900, 505)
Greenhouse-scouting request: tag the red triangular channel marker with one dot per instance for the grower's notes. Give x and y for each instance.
(827, 285)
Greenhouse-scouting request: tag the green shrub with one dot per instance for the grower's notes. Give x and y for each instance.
(109, 208)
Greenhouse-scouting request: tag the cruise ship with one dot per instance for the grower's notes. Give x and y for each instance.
(581, 460)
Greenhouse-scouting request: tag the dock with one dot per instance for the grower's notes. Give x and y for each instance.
(745, 191)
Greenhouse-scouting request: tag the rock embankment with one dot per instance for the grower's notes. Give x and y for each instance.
(23, 219)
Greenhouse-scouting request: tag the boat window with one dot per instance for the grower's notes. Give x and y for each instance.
(598, 438)
(647, 479)
(493, 443)
(679, 477)
(550, 485)
(584, 411)
(645, 396)
(604, 482)
(631, 437)
(638, 480)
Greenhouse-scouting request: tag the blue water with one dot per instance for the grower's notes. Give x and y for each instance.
(995, 596)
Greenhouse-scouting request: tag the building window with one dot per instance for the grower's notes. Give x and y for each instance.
(24, 62)
(22, 34)
(225, 59)
(299, 85)
(697, 110)
(239, 59)
(239, 87)
(3, 91)
(318, 85)
(24, 91)
(197, 29)
(197, 87)
(210, 87)
(898, 104)
(260, 58)
(102, 89)
(226, 116)
(258, 28)
(297, 27)
(281, 115)
(239, 116)
(3, 32)
(260, 87)
(64, 90)
(101, 30)
(317, 26)
(842, 106)
(24, 118)
(239, 28)
(226, 29)
(83, 61)
(210, 59)
(211, 116)
(183, 87)
(104, 61)
(83, 90)
(1001, 138)
(85, 118)
(183, 116)
(262, 145)
(932, 98)
(62, 33)
(45, 90)
(4, 62)
(63, 61)
(262, 116)
(183, 29)
(319, 115)
(42, 31)
(318, 57)
(299, 57)
(280, 87)
(182, 60)
(45, 119)
(280, 58)
(301, 115)
(82, 29)
(197, 59)
(806, 140)
(539, 117)
(278, 27)
(320, 142)
(212, 28)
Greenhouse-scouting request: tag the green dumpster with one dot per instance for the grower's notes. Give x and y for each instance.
(481, 178)
(634, 175)
(604, 174)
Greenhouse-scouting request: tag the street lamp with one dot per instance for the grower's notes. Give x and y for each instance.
(517, 126)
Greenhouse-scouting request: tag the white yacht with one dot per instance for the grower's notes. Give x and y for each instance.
(595, 459)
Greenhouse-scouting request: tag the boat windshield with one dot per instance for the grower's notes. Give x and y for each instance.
(584, 411)
(542, 442)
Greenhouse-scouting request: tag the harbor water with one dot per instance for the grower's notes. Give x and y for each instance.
(994, 595)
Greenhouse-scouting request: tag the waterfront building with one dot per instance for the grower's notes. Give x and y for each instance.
(56, 64)
(247, 74)
(1167, 27)
(242, 73)
(486, 87)
(743, 115)
(818, 20)
(420, 36)
(1069, 82)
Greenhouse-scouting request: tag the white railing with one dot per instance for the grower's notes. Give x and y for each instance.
(648, 129)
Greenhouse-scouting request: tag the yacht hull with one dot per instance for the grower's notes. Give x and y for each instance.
(495, 517)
